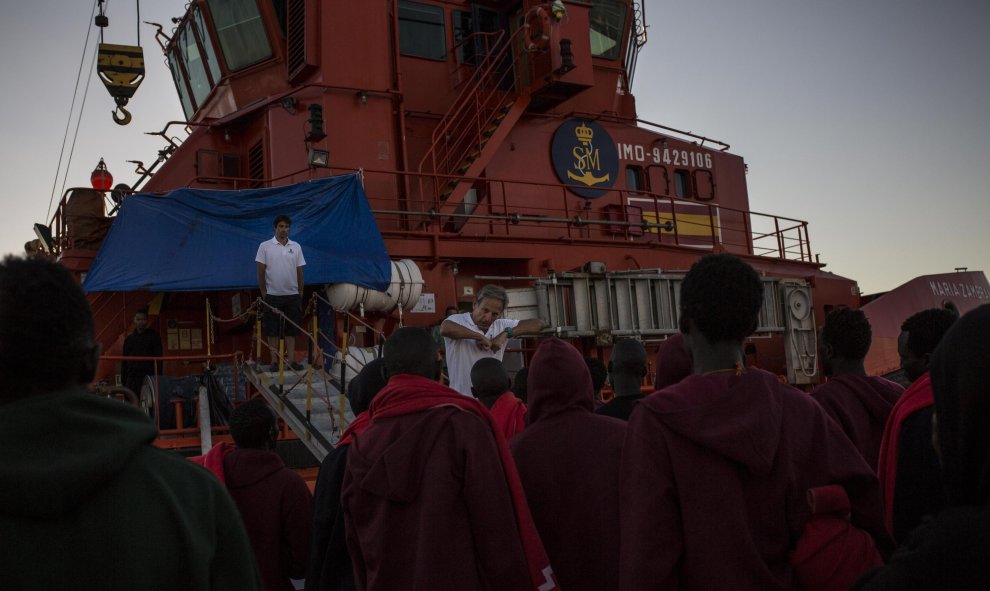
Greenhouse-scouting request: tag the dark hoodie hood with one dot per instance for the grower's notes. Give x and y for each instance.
(673, 362)
(884, 394)
(60, 448)
(738, 417)
(245, 467)
(362, 389)
(559, 381)
(960, 374)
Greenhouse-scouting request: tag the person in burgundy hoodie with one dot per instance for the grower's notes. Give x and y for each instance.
(859, 403)
(568, 460)
(330, 567)
(490, 385)
(908, 467)
(274, 501)
(716, 469)
(431, 496)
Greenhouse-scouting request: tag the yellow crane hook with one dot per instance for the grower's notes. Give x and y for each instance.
(122, 119)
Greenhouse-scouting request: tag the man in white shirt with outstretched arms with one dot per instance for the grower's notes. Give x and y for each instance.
(481, 333)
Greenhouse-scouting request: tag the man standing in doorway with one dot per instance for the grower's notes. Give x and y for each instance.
(483, 332)
(280, 278)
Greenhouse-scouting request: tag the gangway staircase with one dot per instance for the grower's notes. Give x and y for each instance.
(319, 428)
(644, 303)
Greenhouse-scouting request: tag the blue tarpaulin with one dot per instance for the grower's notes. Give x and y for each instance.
(196, 239)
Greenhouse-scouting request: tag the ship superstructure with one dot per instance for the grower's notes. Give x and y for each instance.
(496, 142)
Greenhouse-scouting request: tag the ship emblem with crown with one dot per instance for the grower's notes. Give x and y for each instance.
(585, 157)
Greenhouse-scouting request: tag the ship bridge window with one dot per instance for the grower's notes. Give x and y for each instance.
(180, 85)
(682, 183)
(241, 32)
(193, 61)
(635, 180)
(207, 44)
(191, 58)
(608, 22)
(421, 30)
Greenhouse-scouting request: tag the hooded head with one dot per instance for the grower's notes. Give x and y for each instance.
(673, 362)
(362, 389)
(411, 350)
(960, 373)
(559, 381)
(46, 329)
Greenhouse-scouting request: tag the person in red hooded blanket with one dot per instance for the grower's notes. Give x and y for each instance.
(568, 459)
(951, 550)
(716, 469)
(908, 467)
(431, 496)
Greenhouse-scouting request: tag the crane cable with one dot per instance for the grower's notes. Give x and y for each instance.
(68, 123)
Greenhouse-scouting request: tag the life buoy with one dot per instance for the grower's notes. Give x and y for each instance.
(538, 30)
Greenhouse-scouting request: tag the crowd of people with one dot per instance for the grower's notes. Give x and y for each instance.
(721, 478)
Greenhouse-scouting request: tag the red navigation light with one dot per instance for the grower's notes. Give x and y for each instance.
(101, 178)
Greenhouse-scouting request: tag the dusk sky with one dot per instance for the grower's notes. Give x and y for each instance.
(870, 119)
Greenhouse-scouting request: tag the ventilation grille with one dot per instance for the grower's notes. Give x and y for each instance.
(256, 164)
(296, 33)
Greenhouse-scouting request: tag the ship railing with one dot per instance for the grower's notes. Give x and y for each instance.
(67, 230)
(636, 40)
(637, 217)
(466, 71)
(537, 212)
(182, 434)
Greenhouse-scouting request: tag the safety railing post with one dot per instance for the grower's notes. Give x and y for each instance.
(209, 331)
(258, 332)
(312, 361)
(281, 363)
(343, 365)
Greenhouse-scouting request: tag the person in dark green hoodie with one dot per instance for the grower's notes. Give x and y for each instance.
(86, 500)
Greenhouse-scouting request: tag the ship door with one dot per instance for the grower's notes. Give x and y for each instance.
(475, 32)
(476, 35)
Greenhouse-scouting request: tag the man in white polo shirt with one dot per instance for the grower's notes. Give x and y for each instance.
(481, 333)
(280, 278)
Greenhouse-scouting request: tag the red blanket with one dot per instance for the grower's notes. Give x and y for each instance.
(213, 459)
(509, 413)
(408, 394)
(916, 397)
(357, 426)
